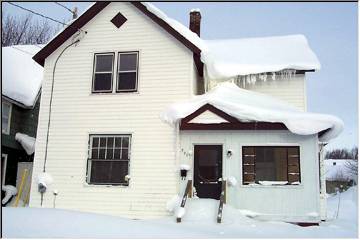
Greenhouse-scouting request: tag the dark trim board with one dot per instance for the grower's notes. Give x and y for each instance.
(232, 124)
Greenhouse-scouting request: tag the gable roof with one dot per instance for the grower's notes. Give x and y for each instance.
(21, 86)
(177, 30)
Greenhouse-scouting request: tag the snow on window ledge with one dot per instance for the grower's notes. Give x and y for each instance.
(92, 185)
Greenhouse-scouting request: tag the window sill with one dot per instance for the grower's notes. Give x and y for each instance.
(105, 185)
(273, 186)
(115, 93)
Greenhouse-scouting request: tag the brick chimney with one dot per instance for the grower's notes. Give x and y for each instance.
(195, 20)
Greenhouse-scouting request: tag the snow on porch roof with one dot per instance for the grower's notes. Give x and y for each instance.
(247, 105)
(21, 75)
(232, 57)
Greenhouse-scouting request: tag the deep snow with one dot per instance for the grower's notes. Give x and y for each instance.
(199, 222)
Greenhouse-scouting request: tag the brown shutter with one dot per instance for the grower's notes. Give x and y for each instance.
(248, 164)
(293, 164)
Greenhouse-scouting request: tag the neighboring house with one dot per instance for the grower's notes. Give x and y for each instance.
(124, 118)
(340, 174)
(21, 83)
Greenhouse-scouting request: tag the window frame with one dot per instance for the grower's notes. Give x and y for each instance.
(118, 72)
(7, 130)
(5, 155)
(287, 166)
(94, 72)
(89, 160)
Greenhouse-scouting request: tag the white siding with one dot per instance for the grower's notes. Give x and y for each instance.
(290, 90)
(286, 203)
(165, 76)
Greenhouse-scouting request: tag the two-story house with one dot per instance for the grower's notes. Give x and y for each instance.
(120, 117)
(21, 83)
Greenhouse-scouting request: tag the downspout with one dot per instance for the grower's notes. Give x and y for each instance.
(322, 181)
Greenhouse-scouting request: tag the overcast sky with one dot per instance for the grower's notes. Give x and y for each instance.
(331, 29)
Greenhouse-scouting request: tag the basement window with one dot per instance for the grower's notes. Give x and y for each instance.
(127, 72)
(109, 159)
(271, 164)
(103, 73)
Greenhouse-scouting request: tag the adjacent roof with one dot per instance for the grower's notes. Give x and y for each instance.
(21, 75)
(232, 57)
(222, 58)
(249, 106)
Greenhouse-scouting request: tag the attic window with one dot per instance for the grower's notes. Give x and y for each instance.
(118, 20)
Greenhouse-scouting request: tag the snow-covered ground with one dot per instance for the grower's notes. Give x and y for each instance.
(199, 222)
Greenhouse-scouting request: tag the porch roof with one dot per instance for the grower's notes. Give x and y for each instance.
(252, 107)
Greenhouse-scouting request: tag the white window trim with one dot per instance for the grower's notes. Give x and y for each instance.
(5, 164)
(129, 71)
(112, 72)
(7, 131)
(89, 160)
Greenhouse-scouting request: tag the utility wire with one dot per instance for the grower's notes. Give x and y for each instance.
(41, 15)
(31, 54)
(64, 7)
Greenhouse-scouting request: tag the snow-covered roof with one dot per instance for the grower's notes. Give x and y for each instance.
(21, 75)
(247, 105)
(232, 57)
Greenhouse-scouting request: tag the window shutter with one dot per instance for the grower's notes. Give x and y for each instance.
(248, 165)
(293, 164)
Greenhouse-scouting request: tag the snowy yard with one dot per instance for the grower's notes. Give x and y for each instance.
(200, 222)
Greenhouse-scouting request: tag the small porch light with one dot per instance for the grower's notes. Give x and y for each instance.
(229, 153)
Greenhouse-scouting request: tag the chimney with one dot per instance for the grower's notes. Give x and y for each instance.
(195, 19)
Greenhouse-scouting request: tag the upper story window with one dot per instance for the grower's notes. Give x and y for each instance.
(127, 72)
(5, 117)
(271, 163)
(109, 159)
(103, 72)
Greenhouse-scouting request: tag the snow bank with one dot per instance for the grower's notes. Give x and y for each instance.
(21, 75)
(9, 192)
(45, 179)
(180, 212)
(247, 105)
(27, 142)
(232, 57)
(173, 203)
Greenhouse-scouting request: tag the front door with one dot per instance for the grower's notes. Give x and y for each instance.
(208, 170)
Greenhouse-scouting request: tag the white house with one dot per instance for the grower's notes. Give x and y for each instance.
(119, 83)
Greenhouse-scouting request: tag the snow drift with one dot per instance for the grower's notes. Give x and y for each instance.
(248, 106)
(21, 75)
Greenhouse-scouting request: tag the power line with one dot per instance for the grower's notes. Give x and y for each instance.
(41, 15)
(64, 7)
(31, 54)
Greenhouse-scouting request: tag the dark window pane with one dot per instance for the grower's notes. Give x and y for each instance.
(127, 62)
(271, 164)
(124, 154)
(100, 172)
(208, 162)
(103, 142)
(118, 142)
(127, 81)
(94, 154)
(110, 142)
(95, 142)
(109, 153)
(119, 171)
(104, 63)
(102, 81)
(117, 153)
(125, 142)
(102, 154)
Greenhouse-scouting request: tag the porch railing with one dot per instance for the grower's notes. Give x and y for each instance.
(222, 201)
(187, 194)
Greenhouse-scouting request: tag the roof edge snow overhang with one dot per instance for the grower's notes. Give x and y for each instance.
(90, 14)
(19, 104)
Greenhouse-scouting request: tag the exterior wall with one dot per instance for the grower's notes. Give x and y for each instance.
(165, 76)
(285, 203)
(291, 90)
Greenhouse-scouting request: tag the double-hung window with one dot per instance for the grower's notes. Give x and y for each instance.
(5, 117)
(109, 159)
(271, 163)
(127, 72)
(103, 72)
